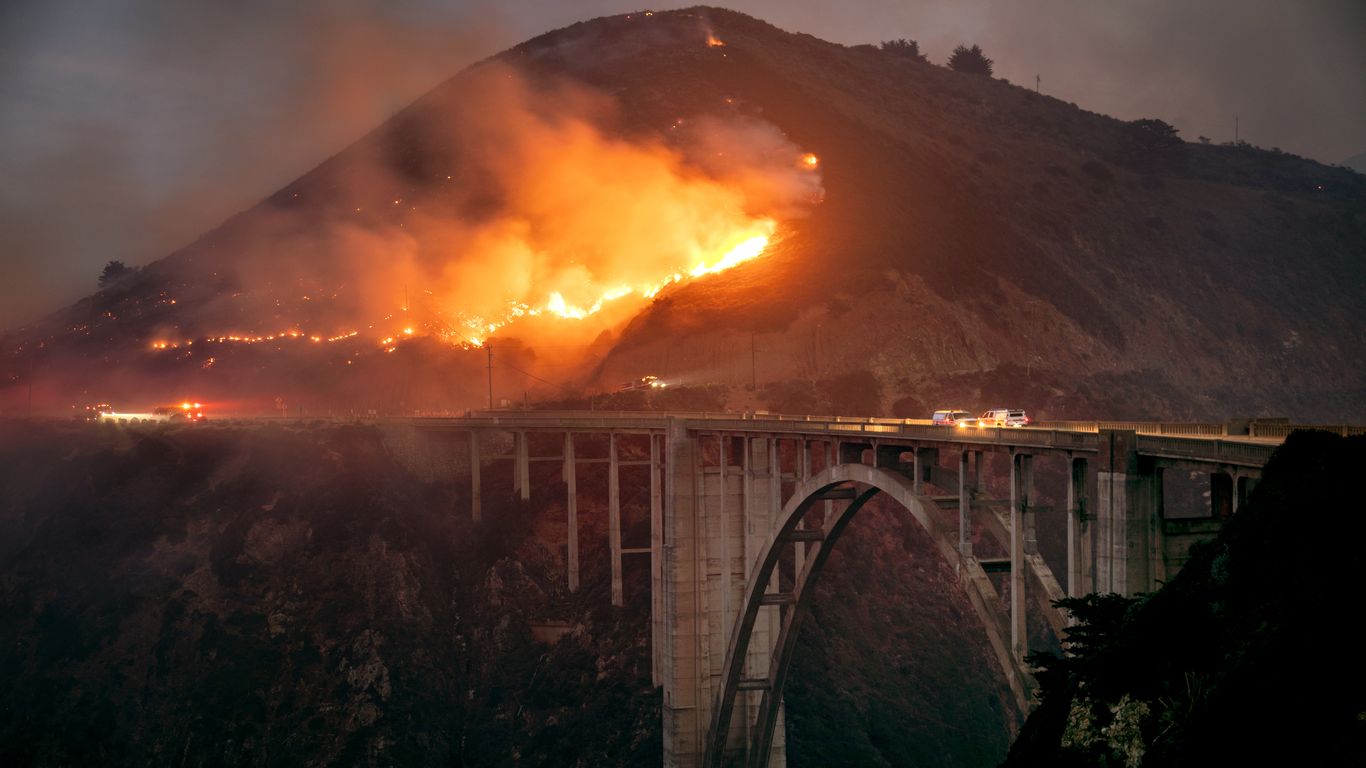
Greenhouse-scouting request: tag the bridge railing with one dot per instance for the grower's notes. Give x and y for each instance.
(1225, 451)
(1023, 438)
(1173, 428)
(1277, 430)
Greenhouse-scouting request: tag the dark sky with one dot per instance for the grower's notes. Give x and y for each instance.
(128, 128)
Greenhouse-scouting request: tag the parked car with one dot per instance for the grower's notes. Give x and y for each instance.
(949, 418)
(1003, 417)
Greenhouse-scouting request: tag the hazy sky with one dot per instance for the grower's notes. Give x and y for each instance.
(128, 128)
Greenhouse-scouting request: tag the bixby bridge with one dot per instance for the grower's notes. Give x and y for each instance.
(744, 511)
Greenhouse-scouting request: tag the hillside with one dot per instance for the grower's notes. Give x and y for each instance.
(965, 240)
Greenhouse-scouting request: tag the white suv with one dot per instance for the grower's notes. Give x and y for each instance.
(1003, 417)
(950, 418)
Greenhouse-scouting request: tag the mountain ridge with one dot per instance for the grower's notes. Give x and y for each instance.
(969, 228)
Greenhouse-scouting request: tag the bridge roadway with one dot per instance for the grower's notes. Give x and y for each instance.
(744, 510)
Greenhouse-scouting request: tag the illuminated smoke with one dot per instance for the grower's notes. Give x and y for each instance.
(551, 222)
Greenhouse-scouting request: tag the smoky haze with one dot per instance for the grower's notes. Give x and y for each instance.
(541, 206)
(129, 130)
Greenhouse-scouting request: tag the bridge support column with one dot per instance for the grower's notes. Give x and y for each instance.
(1128, 490)
(521, 471)
(476, 503)
(614, 518)
(1079, 569)
(803, 474)
(571, 506)
(656, 565)
(926, 459)
(1022, 542)
(964, 506)
(829, 461)
(1221, 495)
(1242, 488)
(687, 700)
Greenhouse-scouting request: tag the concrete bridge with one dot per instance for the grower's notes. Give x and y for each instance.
(743, 513)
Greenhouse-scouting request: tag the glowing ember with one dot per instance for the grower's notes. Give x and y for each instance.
(810, 161)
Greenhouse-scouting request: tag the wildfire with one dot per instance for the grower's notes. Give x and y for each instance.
(714, 42)
(590, 225)
(746, 246)
(248, 338)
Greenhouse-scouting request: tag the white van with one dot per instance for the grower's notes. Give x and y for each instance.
(950, 418)
(1003, 417)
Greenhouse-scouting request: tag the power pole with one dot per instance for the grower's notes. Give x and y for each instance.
(1235, 129)
(1036, 83)
(488, 345)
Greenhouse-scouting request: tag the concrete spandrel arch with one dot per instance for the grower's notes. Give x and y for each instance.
(866, 482)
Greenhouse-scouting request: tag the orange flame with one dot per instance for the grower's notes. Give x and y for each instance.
(714, 42)
(592, 226)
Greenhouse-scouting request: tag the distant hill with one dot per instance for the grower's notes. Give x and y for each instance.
(1356, 162)
(977, 243)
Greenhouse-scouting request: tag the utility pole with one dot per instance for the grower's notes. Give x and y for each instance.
(1036, 83)
(1235, 130)
(488, 345)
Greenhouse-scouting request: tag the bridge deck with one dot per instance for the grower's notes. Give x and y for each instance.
(1199, 442)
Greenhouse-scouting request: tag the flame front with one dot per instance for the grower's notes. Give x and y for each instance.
(558, 224)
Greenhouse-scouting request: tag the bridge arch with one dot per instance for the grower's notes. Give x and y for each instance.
(858, 484)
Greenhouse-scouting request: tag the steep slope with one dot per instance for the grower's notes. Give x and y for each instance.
(975, 240)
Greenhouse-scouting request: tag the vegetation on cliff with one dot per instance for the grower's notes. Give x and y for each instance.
(283, 596)
(314, 595)
(1247, 657)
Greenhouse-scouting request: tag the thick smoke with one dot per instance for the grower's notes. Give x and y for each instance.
(551, 225)
(130, 128)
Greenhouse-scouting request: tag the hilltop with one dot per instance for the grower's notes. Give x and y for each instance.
(975, 241)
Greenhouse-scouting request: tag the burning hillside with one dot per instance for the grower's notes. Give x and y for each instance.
(571, 200)
(550, 212)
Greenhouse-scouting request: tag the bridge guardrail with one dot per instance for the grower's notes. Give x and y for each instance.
(1283, 430)
(1173, 428)
(1226, 451)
